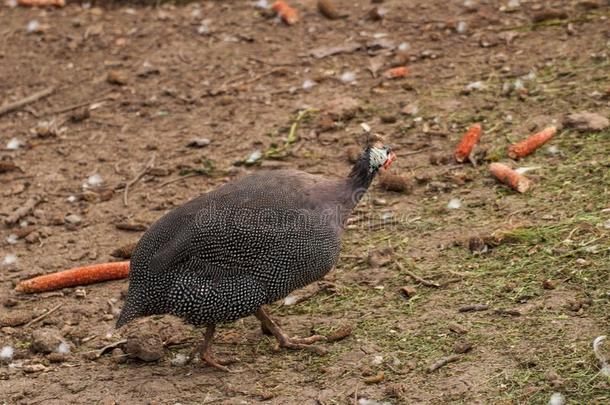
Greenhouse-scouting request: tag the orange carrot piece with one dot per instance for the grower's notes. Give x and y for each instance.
(78, 276)
(529, 145)
(470, 139)
(288, 14)
(41, 3)
(508, 176)
(397, 72)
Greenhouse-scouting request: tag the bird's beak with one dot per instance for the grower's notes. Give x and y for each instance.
(389, 161)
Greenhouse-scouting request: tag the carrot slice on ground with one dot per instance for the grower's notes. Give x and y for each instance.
(529, 145)
(288, 14)
(508, 176)
(78, 276)
(470, 139)
(397, 72)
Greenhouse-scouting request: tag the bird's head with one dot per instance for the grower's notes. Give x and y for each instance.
(378, 154)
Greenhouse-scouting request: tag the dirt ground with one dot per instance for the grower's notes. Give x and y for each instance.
(133, 82)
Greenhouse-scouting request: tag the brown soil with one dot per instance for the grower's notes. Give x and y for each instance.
(152, 79)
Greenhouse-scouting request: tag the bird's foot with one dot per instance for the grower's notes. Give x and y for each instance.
(219, 364)
(302, 343)
(288, 342)
(203, 352)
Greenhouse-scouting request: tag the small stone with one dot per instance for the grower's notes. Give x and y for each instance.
(116, 77)
(342, 108)
(198, 143)
(73, 219)
(454, 204)
(34, 368)
(118, 355)
(46, 340)
(57, 357)
(6, 354)
(410, 109)
(461, 347)
(80, 293)
(179, 360)
(586, 121)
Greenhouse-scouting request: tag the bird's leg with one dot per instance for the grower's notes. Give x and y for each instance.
(284, 340)
(205, 354)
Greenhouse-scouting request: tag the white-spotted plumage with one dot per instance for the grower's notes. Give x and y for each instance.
(251, 242)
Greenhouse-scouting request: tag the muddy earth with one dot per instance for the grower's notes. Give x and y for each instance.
(451, 289)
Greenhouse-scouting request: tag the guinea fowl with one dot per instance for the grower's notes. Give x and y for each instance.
(225, 254)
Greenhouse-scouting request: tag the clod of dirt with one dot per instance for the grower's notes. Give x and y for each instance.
(57, 357)
(586, 121)
(15, 318)
(549, 14)
(46, 340)
(80, 115)
(118, 355)
(375, 379)
(325, 123)
(474, 308)
(440, 159)
(376, 14)
(116, 77)
(462, 347)
(339, 334)
(7, 166)
(329, 10)
(145, 337)
(457, 328)
(144, 345)
(549, 284)
(353, 153)
(34, 368)
(397, 391)
(408, 291)
(131, 226)
(125, 251)
(396, 182)
(476, 244)
(342, 108)
(590, 4)
(379, 258)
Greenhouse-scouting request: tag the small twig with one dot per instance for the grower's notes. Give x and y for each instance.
(474, 308)
(416, 277)
(186, 176)
(22, 211)
(141, 174)
(100, 352)
(62, 110)
(443, 362)
(6, 108)
(415, 152)
(41, 317)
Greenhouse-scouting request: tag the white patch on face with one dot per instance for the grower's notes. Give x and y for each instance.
(377, 158)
